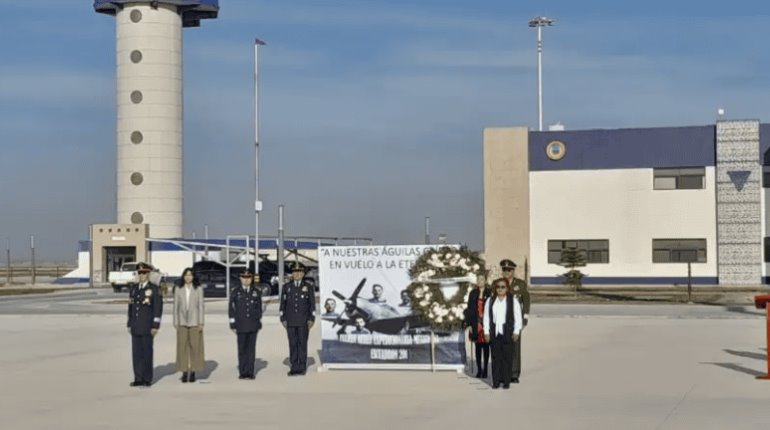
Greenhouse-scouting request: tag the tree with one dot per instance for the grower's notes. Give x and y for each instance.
(571, 258)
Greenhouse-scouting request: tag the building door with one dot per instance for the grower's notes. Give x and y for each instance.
(115, 256)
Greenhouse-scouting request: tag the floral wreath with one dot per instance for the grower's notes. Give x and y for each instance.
(460, 267)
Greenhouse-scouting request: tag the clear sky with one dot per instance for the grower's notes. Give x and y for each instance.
(372, 110)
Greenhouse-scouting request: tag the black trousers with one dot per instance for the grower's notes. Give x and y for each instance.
(141, 351)
(502, 359)
(298, 347)
(247, 346)
(482, 348)
(517, 357)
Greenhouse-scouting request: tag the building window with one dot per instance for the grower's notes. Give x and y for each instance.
(136, 97)
(678, 250)
(136, 137)
(136, 56)
(137, 218)
(690, 178)
(766, 244)
(594, 251)
(137, 178)
(136, 16)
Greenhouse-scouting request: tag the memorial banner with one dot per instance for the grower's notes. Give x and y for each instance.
(365, 313)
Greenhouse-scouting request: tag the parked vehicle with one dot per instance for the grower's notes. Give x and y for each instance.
(212, 276)
(268, 272)
(127, 275)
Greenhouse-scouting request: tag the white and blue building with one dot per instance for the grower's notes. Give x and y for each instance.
(638, 203)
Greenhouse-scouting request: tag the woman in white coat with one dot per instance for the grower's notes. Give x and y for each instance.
(188, 321)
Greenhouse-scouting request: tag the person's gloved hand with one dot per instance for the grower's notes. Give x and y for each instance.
(129, 330)
(516, 337)
(284, 324)
(153, 332)
(310, 324)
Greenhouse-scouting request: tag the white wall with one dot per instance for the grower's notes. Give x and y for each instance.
(619, 205)
(171, 262)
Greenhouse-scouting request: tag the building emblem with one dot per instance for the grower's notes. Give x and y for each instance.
(555, 150)
(739, 178)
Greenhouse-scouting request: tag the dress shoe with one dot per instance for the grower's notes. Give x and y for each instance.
(148, 384)
(506, 386)
(484, 374)
(478, 374)
(192, 377)
(495, 386)
(136, 384)
(185, 377)
(251, 377)
(291, 373)
(301, 372)
(241, 376)
(515, 380)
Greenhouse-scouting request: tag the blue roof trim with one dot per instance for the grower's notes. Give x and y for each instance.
(263, 244)
(626, 148)
(192, 11)
(629, 280)
(70, 281)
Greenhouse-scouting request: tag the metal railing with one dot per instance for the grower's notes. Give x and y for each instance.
(8, 274)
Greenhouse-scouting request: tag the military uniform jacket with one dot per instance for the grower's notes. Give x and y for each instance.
(297, 304)
(518, 287)
(245, 309)
(145, 308)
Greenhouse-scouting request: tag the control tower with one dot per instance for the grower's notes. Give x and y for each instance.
(150, 114)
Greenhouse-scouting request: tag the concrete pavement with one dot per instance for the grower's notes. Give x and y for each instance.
(620, 371)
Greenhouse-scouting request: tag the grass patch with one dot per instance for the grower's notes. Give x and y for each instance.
(23, 291)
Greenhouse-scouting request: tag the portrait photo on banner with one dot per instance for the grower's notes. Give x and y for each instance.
(365, 310)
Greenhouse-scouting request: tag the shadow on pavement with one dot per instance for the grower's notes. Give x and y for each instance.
(754, 355)
(743, 310)
(259, 365)
(737, 368)
(310, 362)
(208, 368)
(163, 371)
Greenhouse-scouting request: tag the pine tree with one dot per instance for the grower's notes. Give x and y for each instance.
(571, 258)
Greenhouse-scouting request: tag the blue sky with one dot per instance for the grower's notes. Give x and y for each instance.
(372, 111)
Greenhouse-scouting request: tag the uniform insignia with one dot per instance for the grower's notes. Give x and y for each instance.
(304, 289)
(148, 293)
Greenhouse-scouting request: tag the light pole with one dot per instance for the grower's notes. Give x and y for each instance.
(539, 22)
(257, 202)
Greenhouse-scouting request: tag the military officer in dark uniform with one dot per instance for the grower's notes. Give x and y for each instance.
(145, 308)
(297, 313)
(245, 313)
(517, 287)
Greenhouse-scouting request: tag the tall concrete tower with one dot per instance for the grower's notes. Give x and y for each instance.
(149, 94)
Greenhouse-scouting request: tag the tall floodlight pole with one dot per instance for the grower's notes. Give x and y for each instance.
(540, 22)
(8, 258)
(257, 202)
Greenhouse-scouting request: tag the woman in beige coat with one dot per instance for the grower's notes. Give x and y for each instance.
(188, 321)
